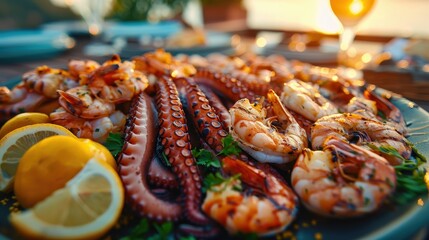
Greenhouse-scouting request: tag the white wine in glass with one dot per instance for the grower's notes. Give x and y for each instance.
(349, 13)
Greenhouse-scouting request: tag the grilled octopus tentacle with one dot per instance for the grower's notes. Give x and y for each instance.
(134, 162)
(176, 142)
(205, 118)
(226, 85)
(160, 176)
(218, 106)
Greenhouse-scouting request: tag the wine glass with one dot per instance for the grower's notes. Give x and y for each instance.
(349, 13)
(92, 12)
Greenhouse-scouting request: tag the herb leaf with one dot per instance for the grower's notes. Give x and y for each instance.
(138, 231)
(247, 236)
(230, 146)
(389, 150)
(205, 158)
(144, 228)
(410, 181)
(216, 179)
(188, 238)
(114, 143)
(163, 230)
(165, 159)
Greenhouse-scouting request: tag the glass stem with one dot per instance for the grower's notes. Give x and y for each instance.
(346, 38)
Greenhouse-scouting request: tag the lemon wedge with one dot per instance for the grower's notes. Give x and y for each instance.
(49, 164)
(86, 208)
(16, 143)
(22, 120)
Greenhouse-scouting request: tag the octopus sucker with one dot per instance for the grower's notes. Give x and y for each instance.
(218, 106)
(176, 142)
(135, 159)
(205, 118)
(160, 175)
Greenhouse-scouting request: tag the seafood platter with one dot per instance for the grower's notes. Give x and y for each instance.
(219, 147)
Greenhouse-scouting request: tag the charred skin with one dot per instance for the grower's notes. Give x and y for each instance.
(134, 161)
(176, 142)
(218, 106)
(161, 176)
(226, 85)
(205, 118)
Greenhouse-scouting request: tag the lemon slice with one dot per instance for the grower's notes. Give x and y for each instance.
(49, 164)
(21, 120)
(86, 208)
(16, 143)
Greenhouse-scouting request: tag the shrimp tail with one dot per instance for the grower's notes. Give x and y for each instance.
(278, 107)
(70, 98)
(5, 94)
(390, 111)
(251, 176)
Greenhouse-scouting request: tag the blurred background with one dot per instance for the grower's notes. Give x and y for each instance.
(392, 38)
(388, 17)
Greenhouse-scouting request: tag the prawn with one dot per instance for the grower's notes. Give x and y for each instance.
(18, 93)
(116, 81)
(161, 62)
(306, 100)
(80, 102)
(391, 114)
(46, 81)
(278, 139)
(354, 128)
(269, 211)
(82, 68)
(95, 129)
(342, 180)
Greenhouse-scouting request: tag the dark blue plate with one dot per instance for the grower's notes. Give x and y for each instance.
(390, 222)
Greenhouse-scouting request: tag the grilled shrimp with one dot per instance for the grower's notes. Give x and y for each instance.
(362, 106)
(343, 180)
(47, 81)
(18, 93)
(117, 81)
(95, 129)
(82, 68)
(391, 114)
(80, 102)
(306, 100)
(354, 128)
(268, 212)
(258, 135)
(161, 62)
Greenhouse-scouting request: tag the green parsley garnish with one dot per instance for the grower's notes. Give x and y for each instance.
(247, 236)
(150, 231)
(165, 159)
(410, 181)
(188, 238)
(230, 146)
(389, 150)
(114, 143)
(212, 180)
(163, 230)
(205, 158)
(138, 231)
